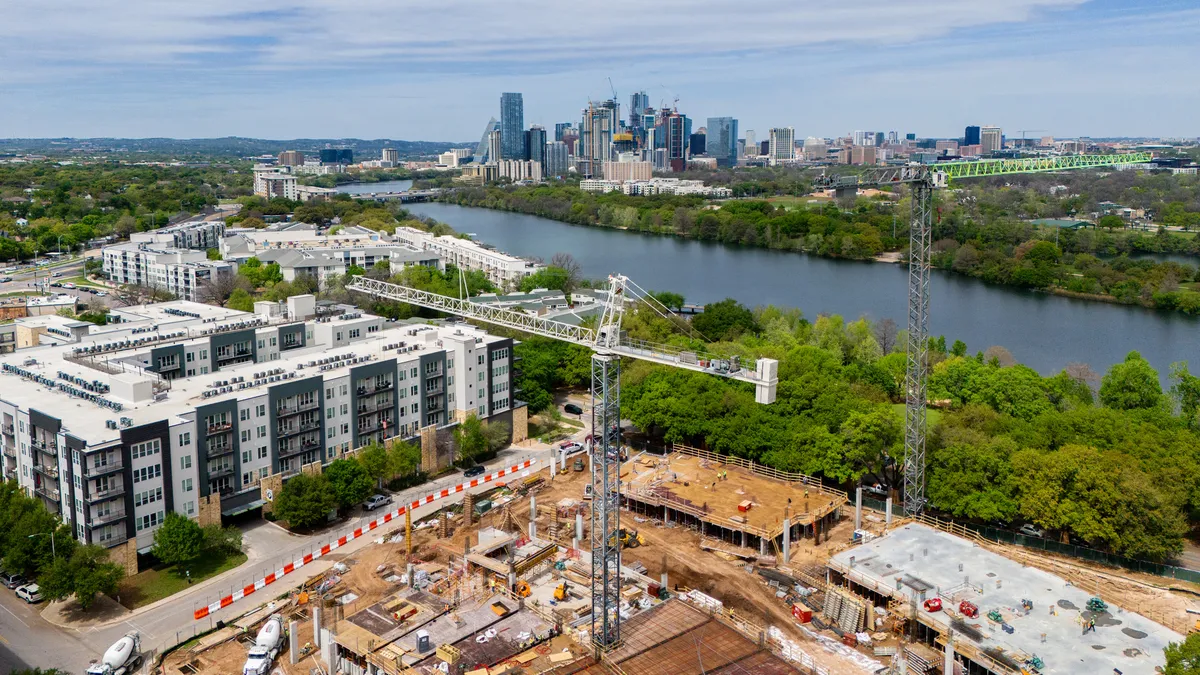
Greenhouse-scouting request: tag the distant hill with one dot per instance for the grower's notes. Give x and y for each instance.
(229, 146)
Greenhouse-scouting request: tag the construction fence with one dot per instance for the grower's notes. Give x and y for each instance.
(1001, 536)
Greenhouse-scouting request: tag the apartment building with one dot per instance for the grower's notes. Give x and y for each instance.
(501, 268)
(202, 410)
(182, 272)
(199, 235)
(300, 249)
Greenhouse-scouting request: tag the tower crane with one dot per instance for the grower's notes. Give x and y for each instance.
(924, 179)
(608, 345)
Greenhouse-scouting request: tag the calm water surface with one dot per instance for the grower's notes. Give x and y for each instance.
(1044, 331)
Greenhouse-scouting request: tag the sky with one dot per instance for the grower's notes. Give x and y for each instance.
(434, 69)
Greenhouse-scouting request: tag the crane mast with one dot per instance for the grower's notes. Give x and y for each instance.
(608, 345)
(924, 179)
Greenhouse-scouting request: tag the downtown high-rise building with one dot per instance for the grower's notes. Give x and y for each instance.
(676, 136)
(482, 150)
(600, 121)
(535, 142)
(638, 102)
(971, 136)
(557, 159)
(991, 139)
(512, 126)
(721, 141)
(782, 145)
(751, 143)
(495, 145)
(562, 129)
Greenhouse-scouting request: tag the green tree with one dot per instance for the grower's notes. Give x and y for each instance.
(178, 540)
(470, 439)
(1183, 658)
(87, 572)
(1111, 222)
(224, 540)
(241, 300)
(1185, 389)
(725, 320)
(305, 500)
(404, 459)
(214, 254)
(374, 461)
(673, 301)
(1131, 384)
(498, 434)
(349, 481)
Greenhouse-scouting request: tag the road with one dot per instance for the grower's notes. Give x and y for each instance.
(28, 640)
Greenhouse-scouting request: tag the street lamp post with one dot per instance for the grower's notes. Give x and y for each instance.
(53, 552)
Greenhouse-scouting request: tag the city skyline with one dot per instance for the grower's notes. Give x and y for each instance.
(929, 68)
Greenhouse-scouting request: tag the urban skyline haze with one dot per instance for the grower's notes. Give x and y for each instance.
(436, 71)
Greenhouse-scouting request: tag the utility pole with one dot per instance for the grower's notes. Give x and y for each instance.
(53, 552)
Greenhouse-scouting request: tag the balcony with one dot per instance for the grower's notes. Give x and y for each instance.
(112, 541)
(297, 409)
(285, 346)
(9, 452)
(434, 404)
(370, 427)
(220, 449)
(47, 448)
(11, 473)
(8, 430)
(367, 408)
(48, 493)
(375, 389)
(220, 427)
(435, 390)
(52, 472)
(237, 355)
(106, 518)
(107, 493)
(220, 471)
(293, 429)
(298, 449)
(104, 469)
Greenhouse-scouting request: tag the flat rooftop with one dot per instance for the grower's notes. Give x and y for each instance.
(86, 420)
(917, 556)
(680, 479)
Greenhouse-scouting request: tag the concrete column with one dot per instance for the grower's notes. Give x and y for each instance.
(553, 467)
(948, 666)
(316, 615)
(787, 534)
(664, 571)
(410, 572)
(858, 509)
(762, 546)
(532, 517)
(743, 538)
(293, 642)
(888, 517)
(579, 523)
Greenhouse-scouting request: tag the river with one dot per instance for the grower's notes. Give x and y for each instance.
(1043, 331)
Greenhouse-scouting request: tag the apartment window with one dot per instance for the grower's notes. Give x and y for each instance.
(185, 462)
(151, 447)
(245, 457)
(187, 484)
(247, 477)
(449, 364)
(414, 408)
(203, 354)
(190, 356)
(481, 375)
(262, 452)
(329, 413)
(413, 390)
(274, 341)
(481, 359)
(345, 408)
(354, 333)
(203, 370)
(329, 392)
(345, 389)
(449, 380)
(499, 354)
(412, 372)
(244, 414)
(146, 473)
(245, 435)
(189, 508)
(330, 432)
(262, 431)
(345, 427)
(185, 438)
(261, 410)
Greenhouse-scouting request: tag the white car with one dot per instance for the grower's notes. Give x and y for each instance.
(376, 501)
(31, 593)
(69, 285)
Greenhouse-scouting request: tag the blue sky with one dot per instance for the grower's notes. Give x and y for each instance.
(424, 70)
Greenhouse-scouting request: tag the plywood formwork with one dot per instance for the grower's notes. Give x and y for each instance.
(710, 488)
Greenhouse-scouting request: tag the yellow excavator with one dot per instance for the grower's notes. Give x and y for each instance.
(630, 538)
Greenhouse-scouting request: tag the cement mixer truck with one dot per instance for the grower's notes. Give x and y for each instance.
(266, 647)
(123, 658)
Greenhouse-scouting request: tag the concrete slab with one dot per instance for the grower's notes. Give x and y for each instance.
(917, 557)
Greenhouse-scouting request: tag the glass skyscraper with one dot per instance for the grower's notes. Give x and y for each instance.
(722, 139)
(512, 126)
(536, 142)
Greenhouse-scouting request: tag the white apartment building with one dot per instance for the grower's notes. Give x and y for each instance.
(182, 272)
(204, 410)
(519, 169)
(501, 268)
(300, 250)
(628, 170)
(195, 234)
(656, 186)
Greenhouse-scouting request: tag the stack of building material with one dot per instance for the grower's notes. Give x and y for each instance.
(916, 662)
(844, 610)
